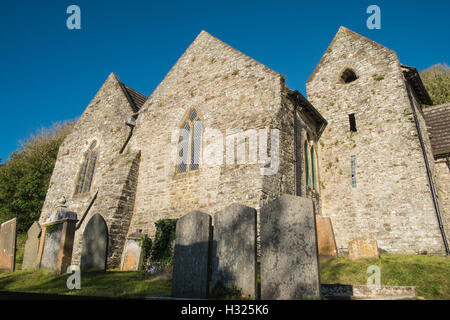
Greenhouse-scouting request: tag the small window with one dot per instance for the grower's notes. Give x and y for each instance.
(348, 76)
(352, 120)
(353, 171)
(87, 169)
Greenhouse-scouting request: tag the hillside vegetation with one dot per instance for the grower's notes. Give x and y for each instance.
(25, 176)
(437, 82)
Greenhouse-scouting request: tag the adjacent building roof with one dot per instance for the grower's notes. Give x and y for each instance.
(309, 109)
(412, 75)
(437, 119)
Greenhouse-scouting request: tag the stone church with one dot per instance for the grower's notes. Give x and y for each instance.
(223, 128)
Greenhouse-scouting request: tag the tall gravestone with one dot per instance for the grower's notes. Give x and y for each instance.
(289, 259)
(8, 245)
(32, 246)
(56, 242)
(234, 249)
(94, 246)
(190, 278)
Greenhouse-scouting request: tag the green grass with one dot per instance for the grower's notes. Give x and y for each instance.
(429, 274)
(112, 283)
(20, 247)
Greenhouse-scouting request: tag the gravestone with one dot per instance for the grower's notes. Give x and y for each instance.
(56, 241)
(325, 237)
(94, 245)
(289, 260)
(52, 246)
(190, 277)
(8, 245)
(132, 254)
(32, 247)
(234, 249)
(363, 248)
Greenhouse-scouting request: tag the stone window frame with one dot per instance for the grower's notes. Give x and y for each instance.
(186, 120)
(87, 169)
(343, 71)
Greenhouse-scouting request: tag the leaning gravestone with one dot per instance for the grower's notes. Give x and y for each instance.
(132, 254)
(234, 249)
(8, 245)
(32, 247)
(289, 260)
(325, 237)
(190, 277)
(94, 246)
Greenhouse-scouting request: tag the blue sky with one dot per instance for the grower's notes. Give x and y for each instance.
(49, 73)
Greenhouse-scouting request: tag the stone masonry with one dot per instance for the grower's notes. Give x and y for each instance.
(232, 92)
(391, 201)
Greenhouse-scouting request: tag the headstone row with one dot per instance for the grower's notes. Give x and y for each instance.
(226, 253)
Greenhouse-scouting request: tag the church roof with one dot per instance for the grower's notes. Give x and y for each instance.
(137, 99)
(437, 119)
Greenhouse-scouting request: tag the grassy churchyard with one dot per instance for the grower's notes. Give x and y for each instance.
(430, 275)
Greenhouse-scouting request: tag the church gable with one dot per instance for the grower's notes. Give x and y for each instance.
(95, 139)
(211, 72)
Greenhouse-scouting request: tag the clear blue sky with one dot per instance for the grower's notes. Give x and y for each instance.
(49, 73)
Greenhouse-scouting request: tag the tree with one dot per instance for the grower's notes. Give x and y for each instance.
(25, 176)
(437, 82)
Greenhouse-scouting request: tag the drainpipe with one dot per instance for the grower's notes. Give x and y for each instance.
(295, 152)
(427, 165)
(131, 123)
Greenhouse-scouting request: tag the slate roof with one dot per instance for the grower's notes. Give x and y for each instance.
(137, 99)
(437, 119)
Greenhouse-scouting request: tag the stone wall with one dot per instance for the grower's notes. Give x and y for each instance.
(392, 201)
(443, 188)
(114, 176)
(231, 91)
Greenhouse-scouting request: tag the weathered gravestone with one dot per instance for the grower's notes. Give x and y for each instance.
(363, 248)
(8, 245)
(325, 237)
(132, 254)
(32, 247)
(56, 243)
(289, 261)
(190, 277)
(94, 245)
(234, 249)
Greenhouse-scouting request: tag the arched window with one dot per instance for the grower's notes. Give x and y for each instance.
(87, 169)
(308, 175)
(313, 168)
(190, 143)
(348, 75)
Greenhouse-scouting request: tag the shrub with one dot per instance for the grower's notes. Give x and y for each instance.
(162, 247)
